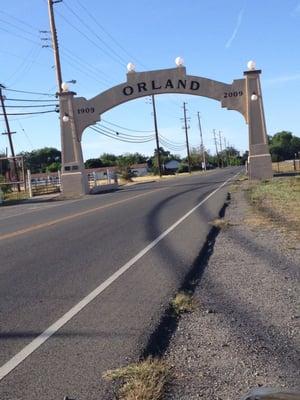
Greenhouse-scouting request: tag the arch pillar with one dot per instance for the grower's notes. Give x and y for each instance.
(73, 178)
(259, 161)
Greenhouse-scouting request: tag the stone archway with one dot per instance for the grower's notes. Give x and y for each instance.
(243, 95)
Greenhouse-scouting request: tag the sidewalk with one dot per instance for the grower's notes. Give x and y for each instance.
(244, 332)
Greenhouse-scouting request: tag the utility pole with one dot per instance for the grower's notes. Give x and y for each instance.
(55, 43)
(226, 152)
(201, 141)
(156, 136)
(186, 137)
(221, 150)
(9, 133)
(216, 144)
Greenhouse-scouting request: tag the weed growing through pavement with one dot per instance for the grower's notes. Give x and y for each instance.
(145, 380)
(183, 303)
(220, 223)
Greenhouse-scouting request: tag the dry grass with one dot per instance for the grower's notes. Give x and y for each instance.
(183, 303)
(220, 223)
(280, 198)
(145, 380)
(256, 220)
(286, 166)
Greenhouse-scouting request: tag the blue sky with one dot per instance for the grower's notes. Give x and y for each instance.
(216, 38)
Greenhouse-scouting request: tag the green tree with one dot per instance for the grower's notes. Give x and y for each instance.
(165, 156)
(93, 163)
(284, 146)
(108, 159)
(124, 167)
(54, 167)
(38, 160)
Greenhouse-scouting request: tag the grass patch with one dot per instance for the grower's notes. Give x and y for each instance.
(220, 223)
(145, 380)
(279, 198)
(183, 303)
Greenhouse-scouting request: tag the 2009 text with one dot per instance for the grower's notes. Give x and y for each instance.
(233, 94)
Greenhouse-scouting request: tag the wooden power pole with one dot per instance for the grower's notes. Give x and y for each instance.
(55, 43)
(186, 137)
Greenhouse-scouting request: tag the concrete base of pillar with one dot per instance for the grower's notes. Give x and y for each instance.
(74, 184)
(260, 167)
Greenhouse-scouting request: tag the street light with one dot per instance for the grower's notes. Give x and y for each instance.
(179, 61)
(254, 97)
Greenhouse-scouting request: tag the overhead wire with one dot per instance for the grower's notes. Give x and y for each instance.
(126, 129)
(89, 39)
(117, 137)
(31, 113)
(17, 27)
(26, 65)
(29, 92)
(125, 134)
(31, 106)
(35, 100)
(94, 33)
(108, 34)
(19, 20)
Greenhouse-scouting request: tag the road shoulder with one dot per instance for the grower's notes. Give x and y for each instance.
(243, 332)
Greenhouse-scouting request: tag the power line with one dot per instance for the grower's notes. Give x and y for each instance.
(19, 20)
(32, 113)
(171, 142)
(33, 100)
(18, 36)
(109, 35)
(31, 106)
(116, 137)
(17, 27)
(126, 129)
(125, 134)
(26, 65)
(28, 92)
(94, 33)
(90, 40)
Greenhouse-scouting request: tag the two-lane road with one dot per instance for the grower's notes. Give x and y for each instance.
(83, 283)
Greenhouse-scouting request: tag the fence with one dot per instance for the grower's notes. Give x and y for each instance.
(286, 166)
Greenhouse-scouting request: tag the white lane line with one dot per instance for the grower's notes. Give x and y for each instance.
(39, 340)
(40, 207)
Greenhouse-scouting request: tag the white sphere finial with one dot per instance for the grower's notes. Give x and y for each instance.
(179, 61)
(65, 87)
(251, 65)
(65, 118)
(130, 67)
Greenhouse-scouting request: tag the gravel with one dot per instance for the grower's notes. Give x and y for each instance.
(244, 332)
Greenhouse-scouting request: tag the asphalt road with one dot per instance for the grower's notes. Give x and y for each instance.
(128, 250)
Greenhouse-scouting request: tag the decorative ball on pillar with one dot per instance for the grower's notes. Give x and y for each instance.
(179, 61)
(66, 118)
(251, 65)
(130, 67)
(65, 87)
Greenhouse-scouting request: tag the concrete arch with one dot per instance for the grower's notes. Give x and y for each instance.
(235, 96)
(141, 84)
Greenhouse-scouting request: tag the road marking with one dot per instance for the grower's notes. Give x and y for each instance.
(39, 207)
(72, 216)
(51, 330)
